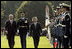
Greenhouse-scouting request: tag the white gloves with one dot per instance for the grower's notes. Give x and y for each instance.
(17, 31)
(6, 32)
(65, 36)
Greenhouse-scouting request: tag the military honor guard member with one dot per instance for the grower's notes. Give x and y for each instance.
(23, 26)
(66, 22)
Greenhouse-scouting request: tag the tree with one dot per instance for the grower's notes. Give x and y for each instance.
(34, 8)
(8, 7)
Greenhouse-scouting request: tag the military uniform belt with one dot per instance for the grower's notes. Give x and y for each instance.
(60, 25)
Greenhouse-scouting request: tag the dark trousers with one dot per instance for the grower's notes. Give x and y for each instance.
(70, 43)
(11, 41)
(53, 41)
(23, 40)
(60, 42)
(36, 41)
(66, 42)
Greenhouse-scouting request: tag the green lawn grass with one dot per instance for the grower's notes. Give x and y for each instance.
(44, 43)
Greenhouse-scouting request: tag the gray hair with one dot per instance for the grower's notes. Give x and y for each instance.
(34, 18)
(10, 15)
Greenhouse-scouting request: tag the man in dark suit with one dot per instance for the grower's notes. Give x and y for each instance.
(10, 30)
(35, 30)
(23, 27)
(66, 22)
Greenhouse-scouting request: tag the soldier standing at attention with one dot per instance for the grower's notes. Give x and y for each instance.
(66, 22)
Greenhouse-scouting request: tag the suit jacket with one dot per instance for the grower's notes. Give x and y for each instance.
(11, 28)
(22, 22)
(35, 30)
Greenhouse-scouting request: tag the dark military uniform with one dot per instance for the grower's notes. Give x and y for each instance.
(11, 28)
(58, 30)
(23, 27)
(52, 32)
(66, 29)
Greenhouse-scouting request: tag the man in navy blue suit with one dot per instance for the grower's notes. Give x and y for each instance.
(35, 29)
(10, 30)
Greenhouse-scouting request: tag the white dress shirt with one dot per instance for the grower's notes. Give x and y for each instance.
(11, 21)
(35, 23)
